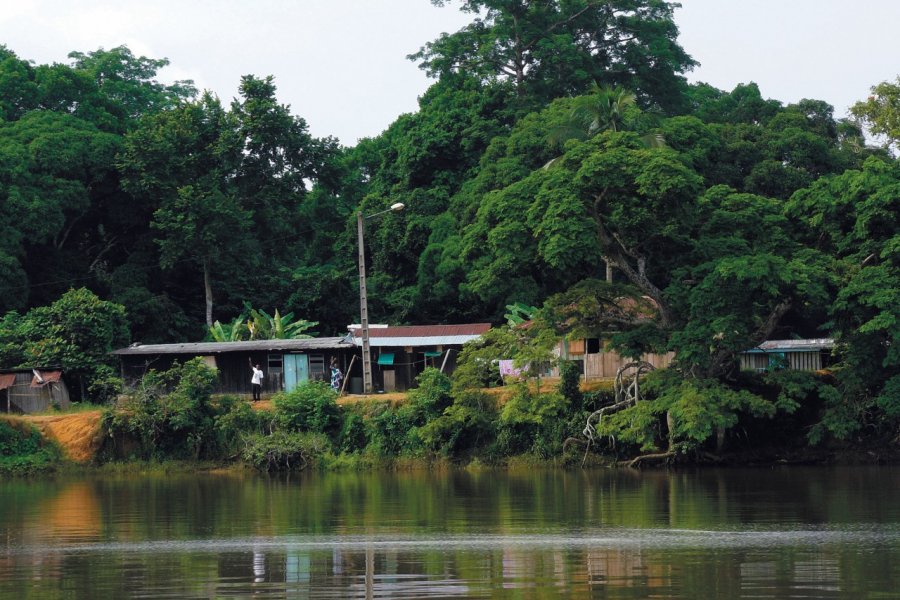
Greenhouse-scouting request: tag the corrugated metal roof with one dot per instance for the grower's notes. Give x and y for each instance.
(425, 331)
(205, 348)
(421, 335)
(435, 340)
(811, 345)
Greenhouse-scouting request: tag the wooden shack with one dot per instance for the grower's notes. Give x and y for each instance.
(401, 353)
(797, 355)
(285, 363)
(32, 390)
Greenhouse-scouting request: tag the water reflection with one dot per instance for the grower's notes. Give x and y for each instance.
(594, 534)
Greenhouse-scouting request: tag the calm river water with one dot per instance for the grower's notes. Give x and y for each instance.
(762, 533)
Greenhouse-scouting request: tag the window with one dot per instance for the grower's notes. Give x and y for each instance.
(276, 362)
(317, 367)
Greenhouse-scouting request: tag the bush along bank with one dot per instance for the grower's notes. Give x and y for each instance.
(172, 415)
(24, 451)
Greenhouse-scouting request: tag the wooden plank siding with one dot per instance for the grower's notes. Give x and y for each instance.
(606, 364)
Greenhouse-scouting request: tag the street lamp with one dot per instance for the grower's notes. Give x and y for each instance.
(363, 305)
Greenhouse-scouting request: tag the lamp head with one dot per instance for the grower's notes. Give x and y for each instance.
(397, 206)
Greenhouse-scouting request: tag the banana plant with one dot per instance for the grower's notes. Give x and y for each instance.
(263, 326)
(230, 332)
(518, 313)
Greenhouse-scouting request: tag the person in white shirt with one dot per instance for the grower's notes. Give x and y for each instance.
(256, 380)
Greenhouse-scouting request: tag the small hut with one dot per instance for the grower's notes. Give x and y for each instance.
(796, 355)
(285, 363)
(32, 390)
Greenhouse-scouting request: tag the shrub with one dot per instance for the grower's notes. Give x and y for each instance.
(531, 422)
(284, 451)
(235, 419)
(310, 407)
(23, 450)
(569, 382)
(395, 431)
(467, 424)
(353, 434)
(432, 395)
(170, 413)
(105, 385)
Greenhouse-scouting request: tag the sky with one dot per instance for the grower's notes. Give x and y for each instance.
(341, 64)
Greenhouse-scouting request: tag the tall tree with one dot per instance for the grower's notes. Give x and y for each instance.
(881, 111)
(854, 218)
(129, 82)
(547, 49)
(179, 164)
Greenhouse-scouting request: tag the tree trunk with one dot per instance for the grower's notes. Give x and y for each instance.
(208, 290)
(616, 255)
(670, 425)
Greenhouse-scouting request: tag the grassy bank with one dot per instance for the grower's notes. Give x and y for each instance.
(23, 450)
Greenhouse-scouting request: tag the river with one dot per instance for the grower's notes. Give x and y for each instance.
(787, 532)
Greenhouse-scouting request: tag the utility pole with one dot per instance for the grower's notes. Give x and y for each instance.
(364, 307)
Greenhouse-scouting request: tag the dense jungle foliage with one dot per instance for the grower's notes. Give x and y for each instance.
(560, 142)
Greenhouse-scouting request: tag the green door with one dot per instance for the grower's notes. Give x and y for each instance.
(296, 370)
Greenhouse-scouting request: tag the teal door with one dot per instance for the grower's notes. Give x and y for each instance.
(296, 370)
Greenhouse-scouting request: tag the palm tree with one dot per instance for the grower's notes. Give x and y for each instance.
(603, 109)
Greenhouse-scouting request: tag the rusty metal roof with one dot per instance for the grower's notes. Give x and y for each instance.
(45, 377)
(6, 380)
(207, 348)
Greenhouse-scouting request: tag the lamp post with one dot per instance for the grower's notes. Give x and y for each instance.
(363, 305)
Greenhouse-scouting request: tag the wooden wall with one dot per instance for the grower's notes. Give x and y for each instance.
(606, 364)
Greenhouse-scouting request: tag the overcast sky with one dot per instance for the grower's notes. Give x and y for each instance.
(341, 64)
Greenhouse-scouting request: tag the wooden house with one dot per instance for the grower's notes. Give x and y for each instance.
(285, 363)
(597, 361)
(32, 390)
(797, 355)
(401, 353)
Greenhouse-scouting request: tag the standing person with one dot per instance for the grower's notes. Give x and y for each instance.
(336, 376)
(256, 380)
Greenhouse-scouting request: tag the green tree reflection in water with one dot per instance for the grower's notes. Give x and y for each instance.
(517, 534)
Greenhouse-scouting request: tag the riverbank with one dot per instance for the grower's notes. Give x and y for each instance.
(380, 431)
(79, 436)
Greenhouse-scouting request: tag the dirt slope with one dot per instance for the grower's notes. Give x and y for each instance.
(78, 434)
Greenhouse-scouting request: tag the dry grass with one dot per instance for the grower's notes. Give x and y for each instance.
(78, 434)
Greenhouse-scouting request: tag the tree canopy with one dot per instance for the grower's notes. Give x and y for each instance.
(558, 139)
